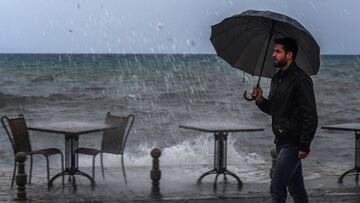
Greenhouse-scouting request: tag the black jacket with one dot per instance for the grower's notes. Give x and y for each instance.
(291, 104)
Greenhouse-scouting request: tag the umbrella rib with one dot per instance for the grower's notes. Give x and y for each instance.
(305, 33)
(307, 55)
(235, 35)
(266, 50)
(258, 55)
(247, 27)
(234, 38)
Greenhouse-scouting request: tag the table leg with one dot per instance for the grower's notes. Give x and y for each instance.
(356, 169)
(220, 159)
(213, 171)
(73, 140)
(71, 161)
(357, 149)
(233, 175)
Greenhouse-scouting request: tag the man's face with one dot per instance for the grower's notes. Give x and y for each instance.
(279, 56)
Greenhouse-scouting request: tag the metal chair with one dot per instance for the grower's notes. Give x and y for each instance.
(113, 141)
(20, 142)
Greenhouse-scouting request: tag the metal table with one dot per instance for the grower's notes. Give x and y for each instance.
(221, 130)
(350, 127)
(71, 130)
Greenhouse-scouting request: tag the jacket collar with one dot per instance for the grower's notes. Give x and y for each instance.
(291, 68)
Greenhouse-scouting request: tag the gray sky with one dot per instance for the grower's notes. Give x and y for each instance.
(159, 26)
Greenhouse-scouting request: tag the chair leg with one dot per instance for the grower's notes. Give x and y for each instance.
(93, 167)
(13, 176)
(123, 168)
(31, 166)
(102, 165)
(48, 170)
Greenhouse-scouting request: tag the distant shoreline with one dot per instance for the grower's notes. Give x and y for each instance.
(149, 54)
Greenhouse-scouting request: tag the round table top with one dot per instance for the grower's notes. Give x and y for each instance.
(69, 127)
(219, 126)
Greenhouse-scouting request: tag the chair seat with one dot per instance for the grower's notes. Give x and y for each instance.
(88, 151)
(46, 152)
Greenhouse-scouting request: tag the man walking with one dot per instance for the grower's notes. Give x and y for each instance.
(291, 104)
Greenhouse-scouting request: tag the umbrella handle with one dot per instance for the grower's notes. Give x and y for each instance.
(247, 98)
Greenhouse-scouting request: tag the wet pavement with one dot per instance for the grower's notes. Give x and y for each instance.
(175, 187)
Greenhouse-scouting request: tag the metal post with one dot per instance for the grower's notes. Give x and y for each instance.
(21, 176)
(273, 162)
(155, 173)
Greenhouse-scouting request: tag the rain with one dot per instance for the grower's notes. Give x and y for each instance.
(82, 59)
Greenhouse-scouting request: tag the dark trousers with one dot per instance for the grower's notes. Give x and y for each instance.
(288, 175)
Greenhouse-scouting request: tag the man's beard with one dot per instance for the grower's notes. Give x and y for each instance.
(280, 64)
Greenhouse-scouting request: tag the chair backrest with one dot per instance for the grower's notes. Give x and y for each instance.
(18, 134)
(114, 139)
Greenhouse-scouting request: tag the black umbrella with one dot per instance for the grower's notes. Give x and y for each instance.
(243, 41)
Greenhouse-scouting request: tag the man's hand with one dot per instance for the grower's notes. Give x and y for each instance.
(257, 94)
(302, 155)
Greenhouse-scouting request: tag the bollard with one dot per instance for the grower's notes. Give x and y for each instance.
(155, 173)
(273, 161)
(21, 176)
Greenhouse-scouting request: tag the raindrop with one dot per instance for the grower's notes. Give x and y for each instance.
(314, 7)
(190, 42)
(171, 39)
(346, 12)
(159, 26)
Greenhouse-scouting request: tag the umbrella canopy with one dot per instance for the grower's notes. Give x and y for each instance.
(243, 41)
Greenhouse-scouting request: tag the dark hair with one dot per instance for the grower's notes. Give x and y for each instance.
(289, 45)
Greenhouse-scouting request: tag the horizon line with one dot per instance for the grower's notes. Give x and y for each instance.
(78, 53)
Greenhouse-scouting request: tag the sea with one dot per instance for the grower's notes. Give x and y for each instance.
(164, 91)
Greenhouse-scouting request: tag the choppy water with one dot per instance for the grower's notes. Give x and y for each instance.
(163, 91)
